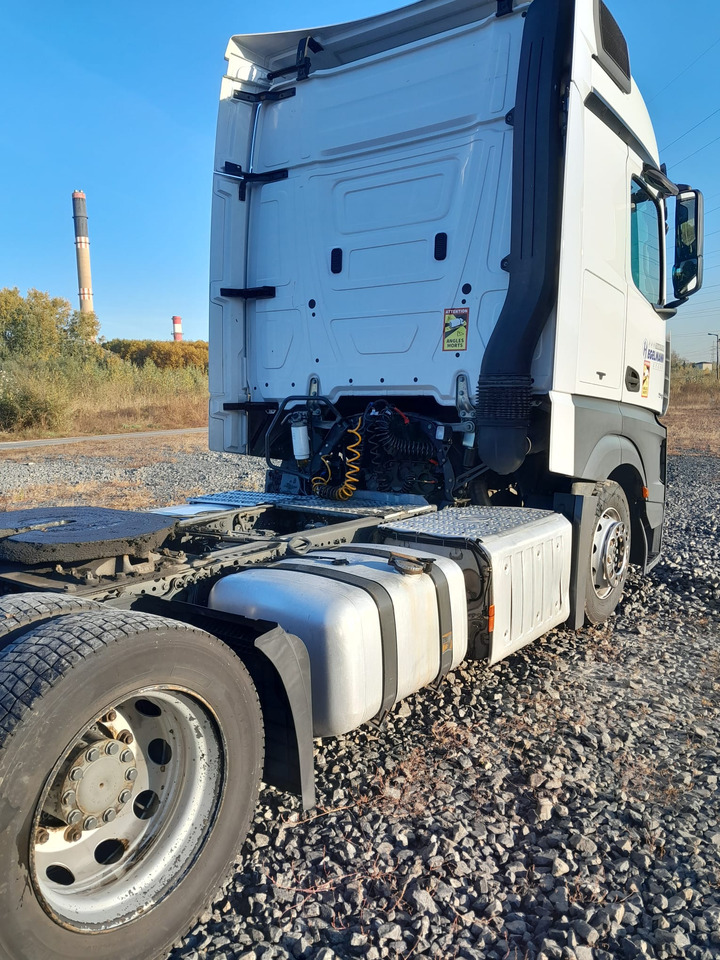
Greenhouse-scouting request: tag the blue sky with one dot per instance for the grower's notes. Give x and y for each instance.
(120, 100)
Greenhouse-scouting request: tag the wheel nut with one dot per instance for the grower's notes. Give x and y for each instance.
(126, 756)
(109, 815)
(90, 823)
(125, 737)
(77, 773)
(92, 755)
(73, 834)
(111, 748)
(131, 774)
(68, 798)
(109, 717)
(42, 836)
(74, 817)
(125, 796)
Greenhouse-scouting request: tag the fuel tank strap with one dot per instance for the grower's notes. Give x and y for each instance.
(442, 590)
(386, 613)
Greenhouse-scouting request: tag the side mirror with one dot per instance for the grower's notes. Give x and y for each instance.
(689, 236)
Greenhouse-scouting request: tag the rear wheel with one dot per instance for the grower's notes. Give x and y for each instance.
(609, 559)
(18, 610)
(131, 749)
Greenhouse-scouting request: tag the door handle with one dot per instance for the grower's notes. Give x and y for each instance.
(632, 380)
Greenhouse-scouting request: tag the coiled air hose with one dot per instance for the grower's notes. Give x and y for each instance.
(321, 486)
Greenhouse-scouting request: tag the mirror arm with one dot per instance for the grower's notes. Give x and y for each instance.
(674, 306)
(657, 179)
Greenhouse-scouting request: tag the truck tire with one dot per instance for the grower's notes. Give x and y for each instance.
(131, 750)
(18, 610)
(609, 558)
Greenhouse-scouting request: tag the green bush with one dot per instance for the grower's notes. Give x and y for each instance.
(31, 401)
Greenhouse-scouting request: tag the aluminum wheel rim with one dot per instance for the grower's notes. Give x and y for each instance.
(110, 844)
(610, 553)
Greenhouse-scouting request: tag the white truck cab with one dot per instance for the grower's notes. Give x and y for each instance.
(448, 223)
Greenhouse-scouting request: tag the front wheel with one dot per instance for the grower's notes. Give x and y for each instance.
(131, 750)
(609, 559)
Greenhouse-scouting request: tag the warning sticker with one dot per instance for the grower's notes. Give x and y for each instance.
(646, 379)
(455, 329)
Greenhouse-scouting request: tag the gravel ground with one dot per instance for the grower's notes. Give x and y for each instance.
(562, 804)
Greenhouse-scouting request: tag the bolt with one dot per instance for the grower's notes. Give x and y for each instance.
(109, 815)
(109, 717)
(90, 823)
(74, 817)
(73, 834)
(42, 836)
(126, 756)
(92, 755)
(68, 798)
(125, 737)
(77, 773)
(131, 774)
(125, 796)
(111, 748)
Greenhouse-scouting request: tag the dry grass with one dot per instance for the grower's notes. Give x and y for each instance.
(693, 420)
(117, 416)
(693, 428)
(132, 450)
(170, 414)
(120, 495)
(72, 396)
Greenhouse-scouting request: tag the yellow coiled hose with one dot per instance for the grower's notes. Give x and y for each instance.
(321, 485)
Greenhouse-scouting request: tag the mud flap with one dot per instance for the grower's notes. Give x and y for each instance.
(580, 509)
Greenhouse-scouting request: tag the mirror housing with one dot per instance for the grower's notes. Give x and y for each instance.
(689, 236)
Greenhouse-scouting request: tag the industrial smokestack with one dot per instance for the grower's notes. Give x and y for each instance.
(82, 252)
(177, 329)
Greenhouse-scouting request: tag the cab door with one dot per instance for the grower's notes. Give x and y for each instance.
(644, 377)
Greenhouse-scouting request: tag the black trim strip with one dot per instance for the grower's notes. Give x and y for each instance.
(248, 293)
(388, 625)
(235, 172)
(442, 590)
(246, 406)
(604, 112)
(504, 397)
(267, 96)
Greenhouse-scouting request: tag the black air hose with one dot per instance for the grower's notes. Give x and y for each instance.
(504, 387)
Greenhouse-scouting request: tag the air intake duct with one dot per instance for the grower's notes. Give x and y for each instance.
(504, 387)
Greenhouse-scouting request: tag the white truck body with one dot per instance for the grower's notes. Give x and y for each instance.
(438, 309)
(373, 208)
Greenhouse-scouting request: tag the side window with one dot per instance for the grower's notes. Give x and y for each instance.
(645, 243)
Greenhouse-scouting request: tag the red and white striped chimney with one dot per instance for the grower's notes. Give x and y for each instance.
(177, 329)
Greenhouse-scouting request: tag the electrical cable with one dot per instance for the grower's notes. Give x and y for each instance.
(683, 72)
(687, 132)
(320, 481)
(699, 150)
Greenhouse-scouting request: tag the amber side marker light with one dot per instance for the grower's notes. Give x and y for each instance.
(491, 618)
(645, 493)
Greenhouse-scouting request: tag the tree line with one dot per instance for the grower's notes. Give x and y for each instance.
(41, 327)
(165, 355)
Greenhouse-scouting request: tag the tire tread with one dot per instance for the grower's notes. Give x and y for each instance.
(44, 653)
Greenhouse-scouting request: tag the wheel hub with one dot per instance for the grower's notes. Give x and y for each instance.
(115, 820)
(611, 553)
(98, 781)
